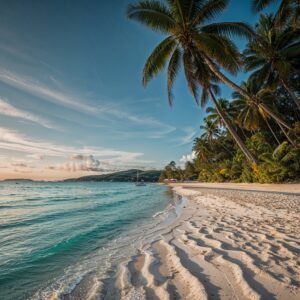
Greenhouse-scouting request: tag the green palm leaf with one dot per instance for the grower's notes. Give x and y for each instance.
(190, 75)
(152, 14)
(173, 68)
(158, 58)
(215, 47)
(209, 10)
(230, 29)
(258, 5)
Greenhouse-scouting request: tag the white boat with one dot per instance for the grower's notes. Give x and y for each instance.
(139, 183)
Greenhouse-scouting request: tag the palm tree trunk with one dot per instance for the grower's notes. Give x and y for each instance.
(241, 91)
(273, 115)
(290, 92)
(287, 136)
(225, 79)
(272, 131)
(226, 149)
(244, 134)
(236, 137)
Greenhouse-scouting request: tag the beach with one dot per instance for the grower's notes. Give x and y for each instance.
(62, 240)
(118, 241)
(230, 242)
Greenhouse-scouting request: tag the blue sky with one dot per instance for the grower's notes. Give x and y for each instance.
(71, 99)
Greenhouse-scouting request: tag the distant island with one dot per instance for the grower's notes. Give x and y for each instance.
(18, 179)
(122, 176)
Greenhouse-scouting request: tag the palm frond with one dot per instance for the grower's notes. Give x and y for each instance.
(209, 10)
(173, 68)
(292, 51)
(177, 8)
(253, 62)
(258, 5)
(158, 58)
(204, 97)
(219, 49)
(193, 7)
(230, 29)
(216, 89)
(190, 75)
(284, 14)
(152, 14)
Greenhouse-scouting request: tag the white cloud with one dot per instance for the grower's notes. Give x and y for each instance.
(35, 156)
(188, 158)
(11, 111)
(85, 158)
(88, 163)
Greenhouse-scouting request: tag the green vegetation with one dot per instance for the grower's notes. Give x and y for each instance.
(122, 176)
(255, 136)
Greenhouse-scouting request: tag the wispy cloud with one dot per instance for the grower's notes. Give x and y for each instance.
(13, 140)
(11, 111)
(36, 88)
(84, 163)
(188, 137)
(70, 100)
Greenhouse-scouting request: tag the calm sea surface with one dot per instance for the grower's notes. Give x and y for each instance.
(54, 236)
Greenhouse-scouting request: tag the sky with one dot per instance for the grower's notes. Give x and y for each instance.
(71, 98)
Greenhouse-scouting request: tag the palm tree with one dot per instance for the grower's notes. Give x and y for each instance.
(288, 13)
(251, 113)
(201, 49)
(210, 131)
(273, 54)
(201, 149)
(213, 115)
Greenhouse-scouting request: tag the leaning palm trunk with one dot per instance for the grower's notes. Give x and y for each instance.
(274, 116)
(290, 92)
(241, 91)
(272, 131)
(225, 79)
(236, 137)
(287, 136)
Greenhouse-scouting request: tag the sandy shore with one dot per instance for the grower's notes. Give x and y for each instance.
(226, 245)
(289, 188)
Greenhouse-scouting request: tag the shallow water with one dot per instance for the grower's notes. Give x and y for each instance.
(55, 235)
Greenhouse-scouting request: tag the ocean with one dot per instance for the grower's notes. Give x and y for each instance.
(55, 237)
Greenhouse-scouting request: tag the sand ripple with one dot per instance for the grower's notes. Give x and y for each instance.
(224, 246)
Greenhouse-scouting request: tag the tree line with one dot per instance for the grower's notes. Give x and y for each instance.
(255, 135)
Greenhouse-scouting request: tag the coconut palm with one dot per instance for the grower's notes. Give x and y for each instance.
(288, 13)
(210, 131)
(201, 149)
(214, 116)
(191, 42)
(252, 113)
(273, 54)
(185, 23)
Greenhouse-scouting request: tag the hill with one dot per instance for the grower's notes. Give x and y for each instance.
(18, 179)
(122, 176)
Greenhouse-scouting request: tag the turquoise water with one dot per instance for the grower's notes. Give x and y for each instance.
(54, 235)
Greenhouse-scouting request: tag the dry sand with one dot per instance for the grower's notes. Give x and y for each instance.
(226, 245)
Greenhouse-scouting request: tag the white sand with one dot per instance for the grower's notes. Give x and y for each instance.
(282, 188)
(226, 245)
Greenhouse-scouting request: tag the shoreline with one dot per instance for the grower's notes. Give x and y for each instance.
(283, 188)
(125, 249)
(225, 245)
